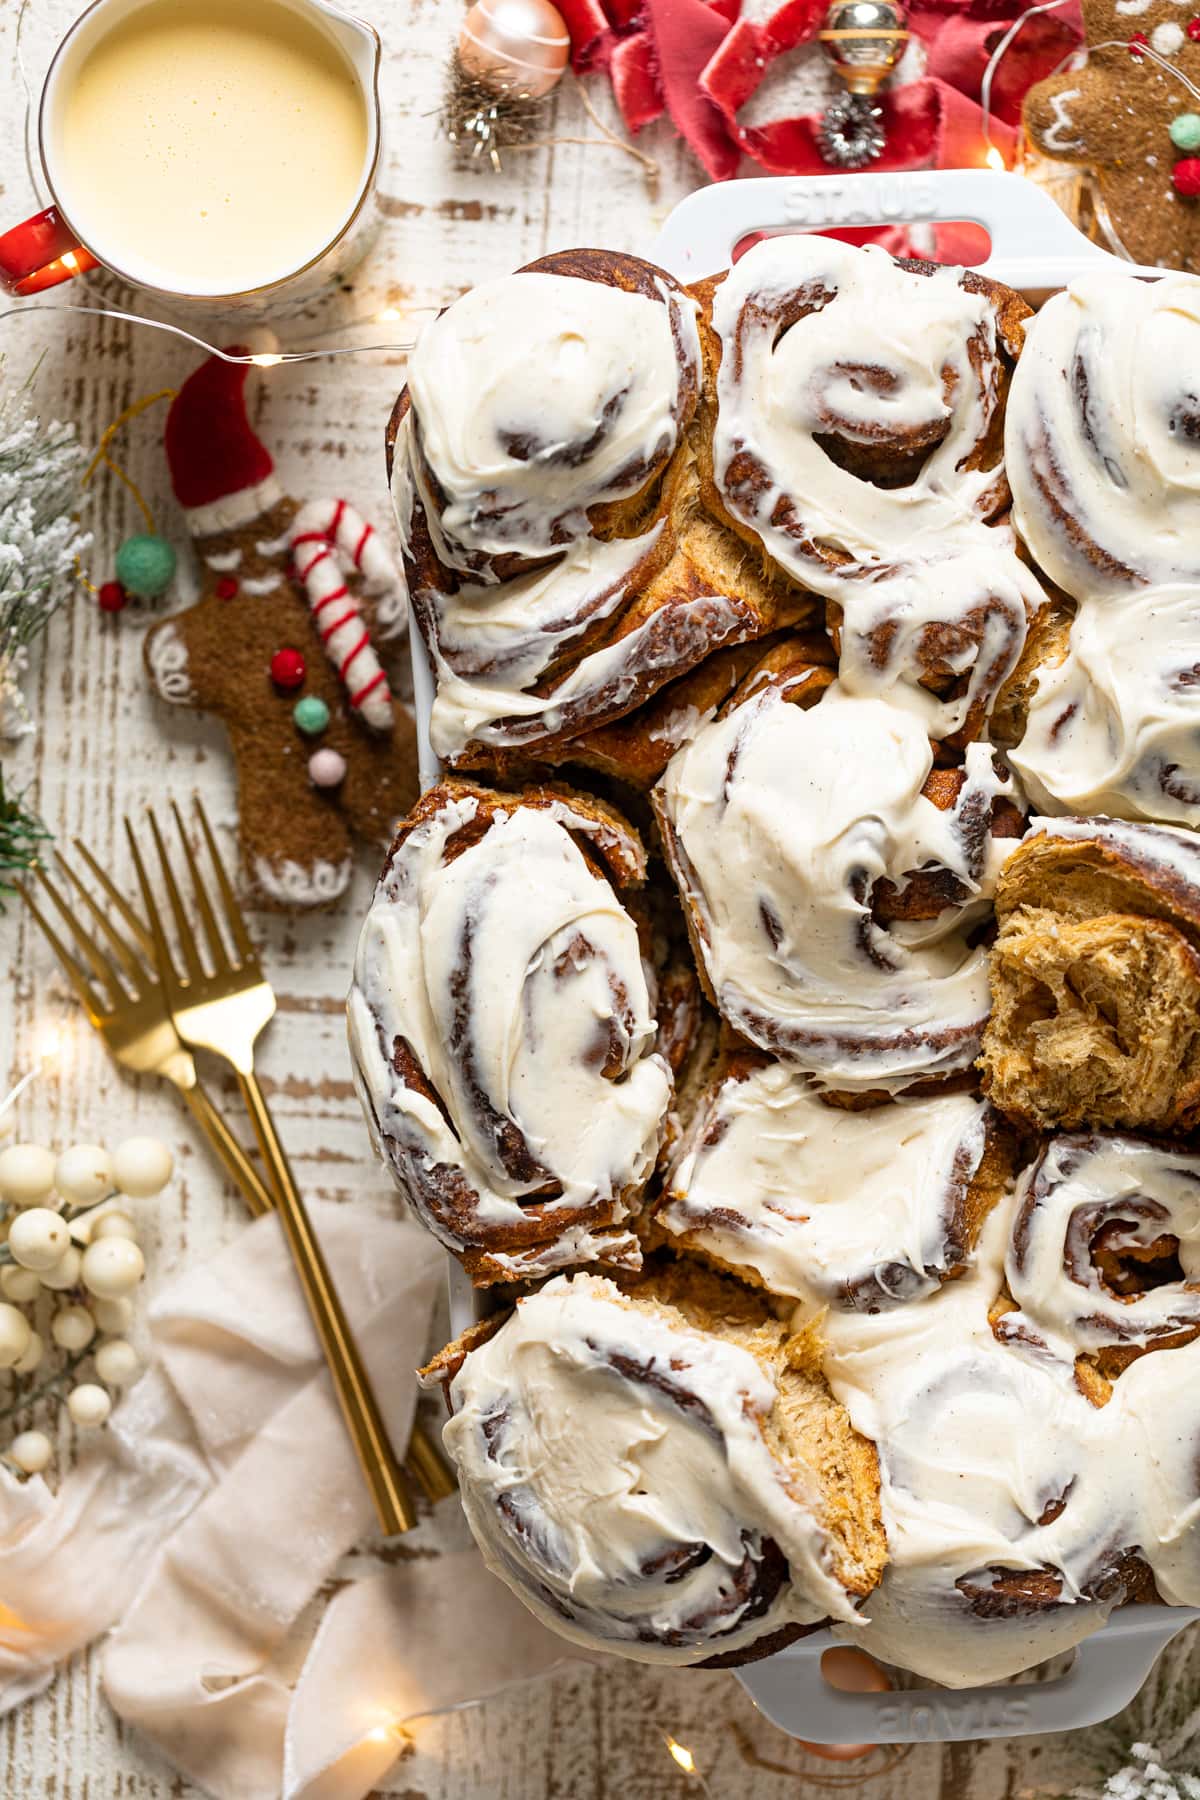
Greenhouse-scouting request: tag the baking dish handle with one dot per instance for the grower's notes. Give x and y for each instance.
(1106, 1674)
(1034, 244)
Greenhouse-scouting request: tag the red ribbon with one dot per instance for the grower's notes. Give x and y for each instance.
(699, 62)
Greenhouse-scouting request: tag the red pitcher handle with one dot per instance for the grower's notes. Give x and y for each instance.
(40, 253)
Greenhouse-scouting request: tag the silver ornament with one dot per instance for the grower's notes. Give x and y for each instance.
(850, 134)
(864, 40)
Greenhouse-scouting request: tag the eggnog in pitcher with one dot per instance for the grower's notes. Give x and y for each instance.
(212, 145)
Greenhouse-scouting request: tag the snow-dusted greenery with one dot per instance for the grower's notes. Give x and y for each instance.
(40, 539)
(21, 837)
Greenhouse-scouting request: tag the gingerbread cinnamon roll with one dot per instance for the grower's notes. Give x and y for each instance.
(1114, 724)
(1104, 1254)
(502, 1033)
(657, 1473)
(541, 481)
(866, 1209)
(1103, 435)
(1018, 1514)
(832, 901)
(1095, 978)
(852, 426)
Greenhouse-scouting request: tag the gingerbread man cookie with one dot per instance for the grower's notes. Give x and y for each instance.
(1130, 115)
(281, 646)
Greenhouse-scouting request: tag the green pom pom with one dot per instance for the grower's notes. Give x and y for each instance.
(311, 715)
(1184, 131)
(145, 566)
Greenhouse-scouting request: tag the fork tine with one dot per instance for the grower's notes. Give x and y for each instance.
(117, 900)
(216, 943)
(102, 966)
(162, 950)
(233, 912)
(183, 925)
(134, 970)
(78, 979)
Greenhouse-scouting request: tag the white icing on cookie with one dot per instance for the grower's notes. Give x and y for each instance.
(291, 883)
(167, 656)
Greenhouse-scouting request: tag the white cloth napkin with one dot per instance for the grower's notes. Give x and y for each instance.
(209, 1516)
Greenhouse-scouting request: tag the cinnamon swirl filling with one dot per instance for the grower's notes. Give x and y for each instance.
(502, 1032)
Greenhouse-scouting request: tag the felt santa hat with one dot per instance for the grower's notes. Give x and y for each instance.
(222, 475)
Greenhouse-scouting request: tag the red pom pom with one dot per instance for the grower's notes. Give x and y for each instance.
(1186, 176)
(1193, 30)
(1137, 43)
(112, 597)
(227, 587)
(287, 669)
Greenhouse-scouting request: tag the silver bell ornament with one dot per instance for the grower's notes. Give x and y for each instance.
(863, 40)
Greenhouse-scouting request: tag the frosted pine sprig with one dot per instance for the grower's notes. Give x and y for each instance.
(41, 467)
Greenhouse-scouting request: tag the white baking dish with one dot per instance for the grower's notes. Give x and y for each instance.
(1033, 248)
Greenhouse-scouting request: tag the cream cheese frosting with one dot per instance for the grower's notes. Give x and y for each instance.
(884, 356)
(862, 1209)
(538, 396)
(779, 822)
(992, 1460)
(513, 975)
(501, 457)
(1102, 435)
(1115, 726)
(615, 1472)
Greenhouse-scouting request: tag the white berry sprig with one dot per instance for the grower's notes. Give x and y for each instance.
(69, 1260)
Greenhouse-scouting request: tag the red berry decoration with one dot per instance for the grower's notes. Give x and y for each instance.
(288, 669)
(112, 597)
(227, 587)
(1137, 43)
(1193, 30)
(1186, 176)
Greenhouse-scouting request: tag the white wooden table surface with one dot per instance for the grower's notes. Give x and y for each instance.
(105, 746)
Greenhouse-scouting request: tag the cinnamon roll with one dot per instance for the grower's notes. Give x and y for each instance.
(542, 486)
(1018, 1514)
(782, 823)
(866, 1209)
(1114, 724)
(1095, 978)
(852, 426)
(658, 1473)
(501, 1029)
(1103, 435)
(1104, 1255)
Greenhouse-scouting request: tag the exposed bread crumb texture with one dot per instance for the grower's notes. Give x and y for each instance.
(821, 1125)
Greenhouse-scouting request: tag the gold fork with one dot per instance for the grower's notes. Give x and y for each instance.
(224, 1011)
(125, 1003)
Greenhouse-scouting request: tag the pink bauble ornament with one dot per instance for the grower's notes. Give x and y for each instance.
(326, 768)
(515, 46)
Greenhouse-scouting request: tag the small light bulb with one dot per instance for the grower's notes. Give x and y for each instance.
(380, 1735)
(266, 359)
(994, 159)
(682, 1756)
(390, 312)
(49, 1044)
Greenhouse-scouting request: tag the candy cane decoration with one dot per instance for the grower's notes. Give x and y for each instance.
(326, 536)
